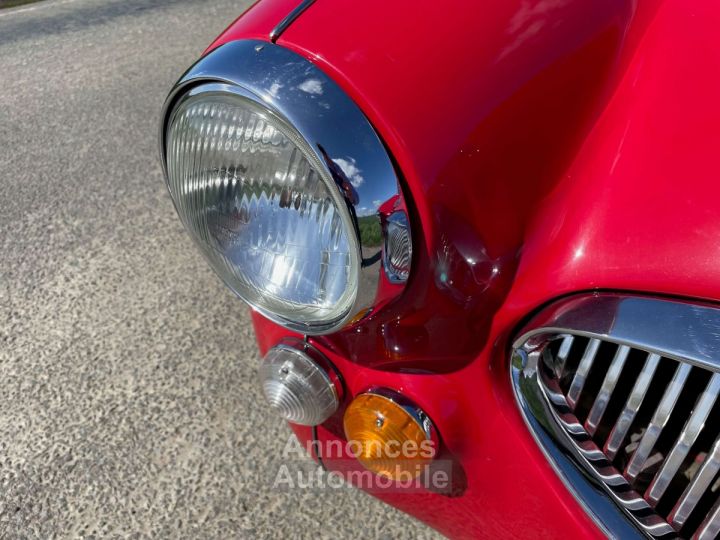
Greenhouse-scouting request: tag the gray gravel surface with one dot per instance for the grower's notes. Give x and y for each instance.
(128, 404)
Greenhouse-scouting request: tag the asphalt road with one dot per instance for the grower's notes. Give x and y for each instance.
(128, 403)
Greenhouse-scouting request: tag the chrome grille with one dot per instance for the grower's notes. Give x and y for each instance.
(642, 415)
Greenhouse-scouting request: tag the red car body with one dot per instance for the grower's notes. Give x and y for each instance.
(546, 147)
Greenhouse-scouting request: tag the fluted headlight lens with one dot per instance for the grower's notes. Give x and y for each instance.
(263, 209)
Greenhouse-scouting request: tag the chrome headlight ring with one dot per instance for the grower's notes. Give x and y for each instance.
(340, 137)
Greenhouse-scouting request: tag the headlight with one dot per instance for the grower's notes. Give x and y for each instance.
(278, 176)
(262, 208)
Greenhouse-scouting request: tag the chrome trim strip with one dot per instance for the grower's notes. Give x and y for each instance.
(336, 129)
(632, 406)
(657, 424)
(687, 438)
(608, 386)
(650, 324)
(660, 328)
(289, 19)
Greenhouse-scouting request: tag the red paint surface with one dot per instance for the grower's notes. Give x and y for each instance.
(504, 485)
(546, 147)
(484, 106)
(257, 22)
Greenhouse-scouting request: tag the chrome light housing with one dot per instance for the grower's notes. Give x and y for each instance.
(278, 177)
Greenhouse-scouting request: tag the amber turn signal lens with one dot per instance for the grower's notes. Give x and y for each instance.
(389, 435)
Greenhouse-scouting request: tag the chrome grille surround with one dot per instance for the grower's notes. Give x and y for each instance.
(621, 393)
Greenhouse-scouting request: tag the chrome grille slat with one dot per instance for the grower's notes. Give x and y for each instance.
(632, 501)
(657, 424)
(603, 398)
(630, 397)
(563, 353)
(591, 452)
(637, 396)
(710, 528)
(582, 372)
(697, 487)
(689, 434)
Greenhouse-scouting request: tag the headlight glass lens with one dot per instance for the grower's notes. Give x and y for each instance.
(262, 208)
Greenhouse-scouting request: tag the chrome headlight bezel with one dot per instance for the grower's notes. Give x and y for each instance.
(294, 90)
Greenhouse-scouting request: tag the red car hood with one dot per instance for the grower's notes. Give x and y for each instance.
(549, 146)
(578, 138)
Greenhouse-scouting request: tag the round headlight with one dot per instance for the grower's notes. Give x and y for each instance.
(284, 185)
(263, 208)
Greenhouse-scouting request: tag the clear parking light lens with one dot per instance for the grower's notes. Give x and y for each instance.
(263, 209)
(296, 387)
(398, 248)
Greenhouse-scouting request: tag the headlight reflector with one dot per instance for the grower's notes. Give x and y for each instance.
(263, 208)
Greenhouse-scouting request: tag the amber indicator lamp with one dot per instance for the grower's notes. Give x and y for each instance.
(390, 435)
